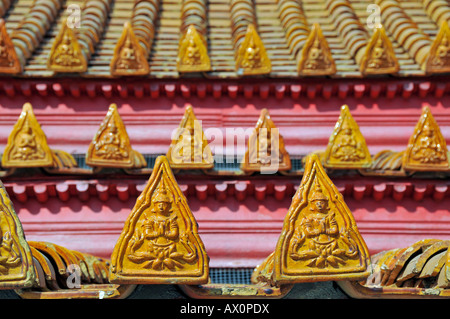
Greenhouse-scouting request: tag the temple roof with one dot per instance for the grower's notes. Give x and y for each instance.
(284, 27)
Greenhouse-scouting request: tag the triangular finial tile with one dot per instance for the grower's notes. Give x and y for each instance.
(347, 147)
(438, 60)
(66, 54)
(319, 240)
(9, 62)
(189, 148)
(160, 243)
(265, 150)
(27, 144)
(193, 53)
(129, 57)
(427, 149)
(379, 56)
(111, 145)
(16, 262)
(252, 58)
(315, 57)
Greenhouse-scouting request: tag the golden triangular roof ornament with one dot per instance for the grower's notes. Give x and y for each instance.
(159, 243)
(9, 62)
(193, 52)
(111, 145)
(129, 57)
(265, 149)
(252, 58)
(427, 149)
(319, 240)
(316, 57)
(66, 54)
(438, 60)
(379, 56)
(27, 144)
(189, 148)
(16, 260)
(347, 147)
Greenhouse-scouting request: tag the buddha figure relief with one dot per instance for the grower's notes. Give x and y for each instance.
(378, 57)
(346, 148)
(111, 145)
(267, 149)
(193, 52)
(16, 260)
(428, 148)
(316, 58)
(64, 54)
(189, 148)
(252, 57)
(190, 145)
(192, 56)
(320, 240)
(26, 147)
(320, 236)
(157, 241)
(442, 56)
(9, 256)
(127, 57)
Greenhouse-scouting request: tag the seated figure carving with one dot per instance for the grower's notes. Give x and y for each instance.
(442, 57)
(159, 235)
(346, 147)
(111, 145)
(428, 148)
(315, 56)
(127, 57)
(192, 56)
(9, 257)
(64, 53)
(26, 147)
(252, 58)
(320, 234)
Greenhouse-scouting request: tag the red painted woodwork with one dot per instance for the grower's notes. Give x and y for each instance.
(239, 219)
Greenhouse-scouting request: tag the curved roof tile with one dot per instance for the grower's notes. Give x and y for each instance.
(282, 25)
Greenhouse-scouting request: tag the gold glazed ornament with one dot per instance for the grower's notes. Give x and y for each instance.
(16, 261)
(111, 145)
(438, 60)
(319, 240)
(252, 58)
(27, 144)
(265, 149)
(347, 147)
(9, 62)
(66, 55)
(129, 57)
(316, 57)
(193, 52)
(427, 149)
(189, 148)
(160, 243)
(379, 56)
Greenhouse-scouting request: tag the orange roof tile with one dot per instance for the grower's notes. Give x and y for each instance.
(411, 26)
